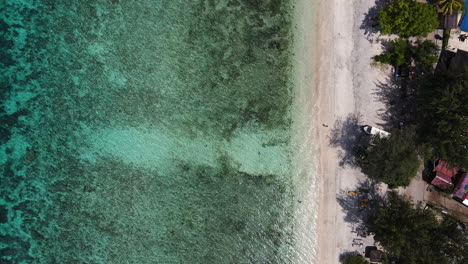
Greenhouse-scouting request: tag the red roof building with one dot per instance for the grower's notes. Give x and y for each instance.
(444, 174)
(461, 190)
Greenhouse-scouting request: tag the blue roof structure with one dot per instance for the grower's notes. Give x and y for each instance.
(464, 25)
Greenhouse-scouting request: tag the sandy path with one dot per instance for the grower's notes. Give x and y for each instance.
(346, 85)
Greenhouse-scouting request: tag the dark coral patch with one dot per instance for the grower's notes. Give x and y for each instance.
(3, 214)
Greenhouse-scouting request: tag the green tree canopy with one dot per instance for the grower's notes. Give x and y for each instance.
(408, 18)
(397, 55)
(393, 160)
(451, 240)
(444, 122)
(401, 229)
(415, 235)
(448, 6)
(357, 259)
(425, 54)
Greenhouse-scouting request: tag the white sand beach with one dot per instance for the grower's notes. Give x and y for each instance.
(347, 87)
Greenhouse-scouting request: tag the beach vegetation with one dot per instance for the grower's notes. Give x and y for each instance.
(393, 160)
(408, 18)
(423, 53)
(397, 54)
(443, 122)
(448, 6)
(415, 235)
(355, 259)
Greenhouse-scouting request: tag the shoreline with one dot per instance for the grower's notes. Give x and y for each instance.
(304, 147)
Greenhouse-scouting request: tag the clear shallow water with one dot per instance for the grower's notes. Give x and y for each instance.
(147, 132)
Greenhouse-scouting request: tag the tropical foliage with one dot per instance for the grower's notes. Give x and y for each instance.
(424, 53)
(397, 55)
(414, 235)
(448, 6)
(408, 18)
(393, 160)
(444, 120)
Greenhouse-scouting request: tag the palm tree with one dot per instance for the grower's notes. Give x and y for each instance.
(448, 6)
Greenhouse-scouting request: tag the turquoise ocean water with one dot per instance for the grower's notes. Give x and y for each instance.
(149, 131)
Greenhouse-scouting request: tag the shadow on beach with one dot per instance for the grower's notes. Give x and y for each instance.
(347, 134)
(360, 203)
(399, 101)
(370, 24)
(343, 256)
(389, 93)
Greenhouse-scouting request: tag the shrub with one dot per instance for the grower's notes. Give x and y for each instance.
(393, 160)
(408, 18)
(397, 55)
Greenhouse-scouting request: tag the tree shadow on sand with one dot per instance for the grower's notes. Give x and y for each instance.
(399, 104)
(360, 203)
(347, 134)
(370, 23)
(343, 256)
